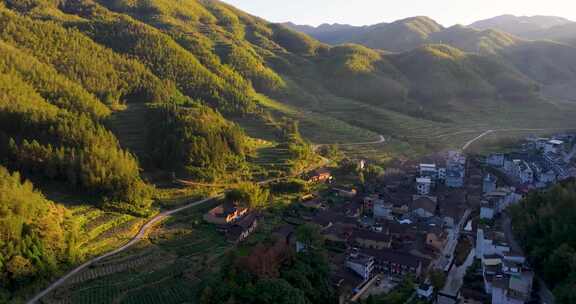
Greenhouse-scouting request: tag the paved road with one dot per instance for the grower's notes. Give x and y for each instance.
(455, 277)
(546, 296)
(133, 241)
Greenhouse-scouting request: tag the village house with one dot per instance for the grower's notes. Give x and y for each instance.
(522, 172)
(507, 278)
(320, 176)
(489, 183)
(225, 213)
(487, 210)
(424, 206)
(554, 146)
(370, 201)
(382, 210)
(397, 263)
(371, 239)
(241, 229)
(428, 170)
(361, 264)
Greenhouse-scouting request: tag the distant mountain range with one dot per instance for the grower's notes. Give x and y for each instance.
(411, 32)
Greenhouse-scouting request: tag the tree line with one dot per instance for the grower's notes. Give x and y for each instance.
(545, 224)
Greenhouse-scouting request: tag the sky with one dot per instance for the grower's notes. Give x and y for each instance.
(366, 12)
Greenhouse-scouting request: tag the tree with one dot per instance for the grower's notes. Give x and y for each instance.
(309, 236)
(438, 279)
(250, 195)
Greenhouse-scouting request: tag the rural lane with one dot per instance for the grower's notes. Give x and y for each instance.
(488, 132)
(141, 233)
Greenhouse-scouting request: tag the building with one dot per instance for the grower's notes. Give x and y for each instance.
(496, 160)
(320, 175)
(370, 201)
(455, 177)
(225, 213)
(490, 243)
(455, 169)
(507, 279)
(240, 230)
(371, 239)
(554, 146)
(424, 206)
(361, 264)
(523, 172)
(489, 183)
(425, 291)
(423, 185)
(397, 263)
(503, 197)
(382, 210)
(428, 170)
(487, 210)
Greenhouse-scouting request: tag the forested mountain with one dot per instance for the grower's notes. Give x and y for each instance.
(72, 71)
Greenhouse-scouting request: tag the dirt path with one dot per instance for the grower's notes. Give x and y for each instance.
(158, 218)
(381, 140)
(488, 132)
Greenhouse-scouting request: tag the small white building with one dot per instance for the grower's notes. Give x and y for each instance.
(523, 172)
(487, 210)
(553, 146)
(423, 185)
(361, 264)
(425, 291)
(382, 210)
(428, 170)
(489, 183)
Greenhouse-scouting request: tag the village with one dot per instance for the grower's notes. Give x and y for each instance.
(439, 222)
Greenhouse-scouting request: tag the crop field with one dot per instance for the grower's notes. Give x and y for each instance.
(167, 267)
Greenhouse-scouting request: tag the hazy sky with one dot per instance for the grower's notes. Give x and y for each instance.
(363, 12)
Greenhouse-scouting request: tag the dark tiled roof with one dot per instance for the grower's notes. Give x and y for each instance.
(397, 257)
(370, 235)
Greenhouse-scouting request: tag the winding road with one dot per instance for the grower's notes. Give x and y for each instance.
(146, 227)
(141, 233)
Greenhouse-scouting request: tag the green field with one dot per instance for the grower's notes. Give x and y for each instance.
(165, 268)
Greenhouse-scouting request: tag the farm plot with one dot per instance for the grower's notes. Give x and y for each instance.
(166, 268)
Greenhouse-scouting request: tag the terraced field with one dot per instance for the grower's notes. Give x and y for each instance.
(101, 231)
(164, 268)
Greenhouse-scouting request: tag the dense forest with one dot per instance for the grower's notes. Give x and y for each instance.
(545, 224)
(36, 234)
(197, 140)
